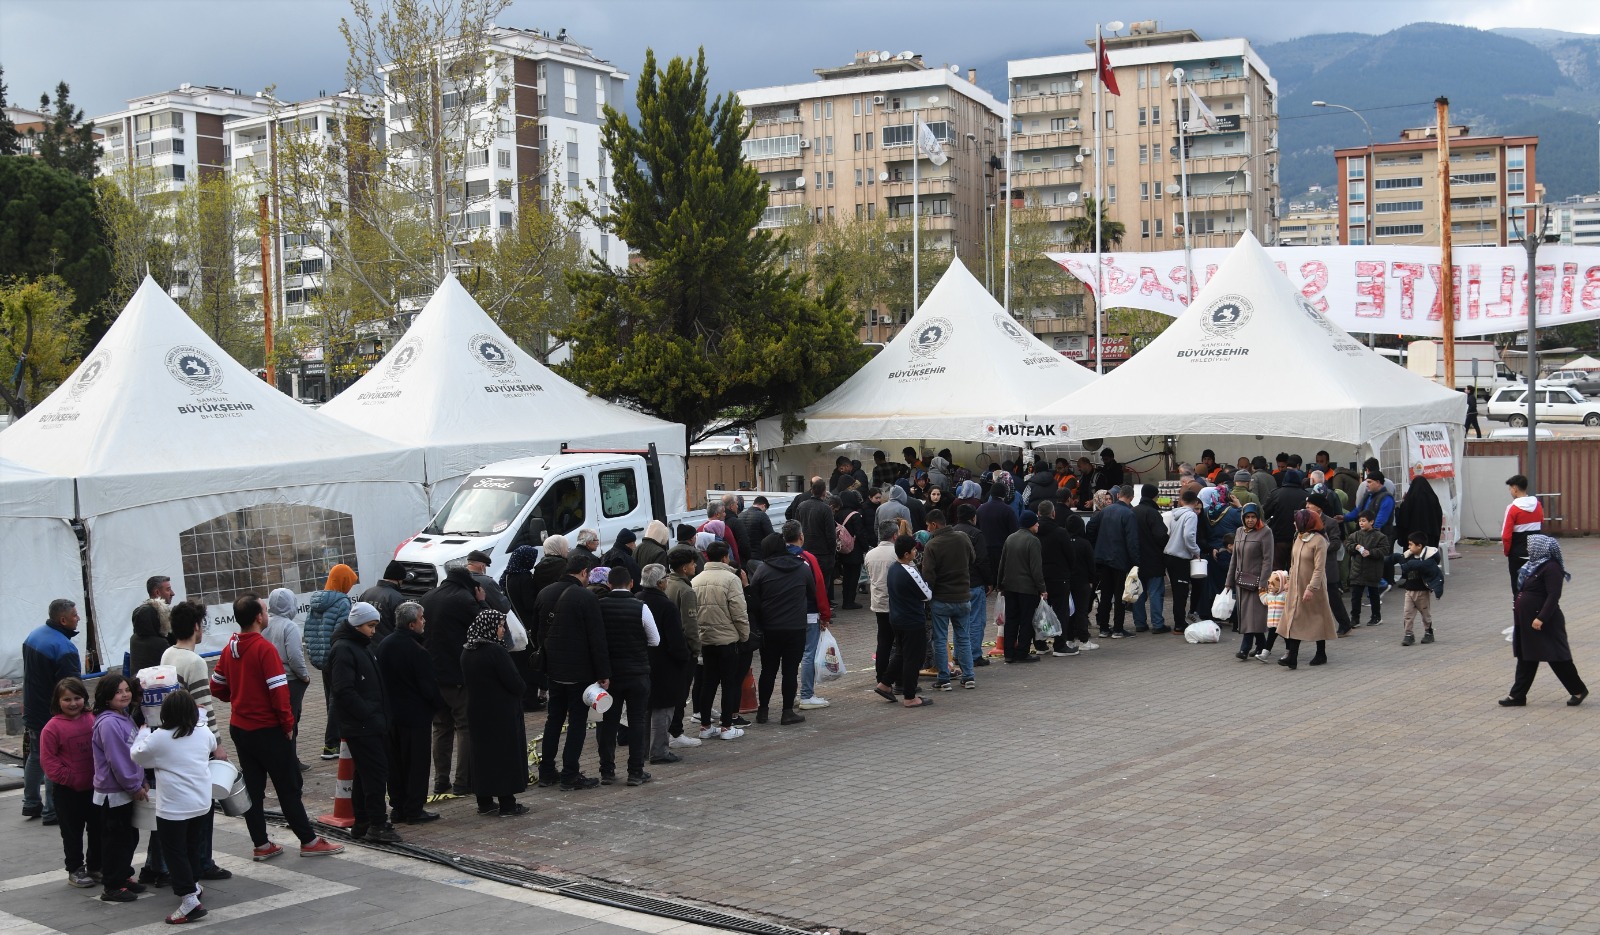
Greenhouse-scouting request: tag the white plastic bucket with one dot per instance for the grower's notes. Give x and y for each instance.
(598, 700)
(155, 684)
(144, 813)
(223, 776)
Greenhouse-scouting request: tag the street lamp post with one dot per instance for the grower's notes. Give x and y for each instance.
(1366, 171)
(1530, 242)
(1183, 181)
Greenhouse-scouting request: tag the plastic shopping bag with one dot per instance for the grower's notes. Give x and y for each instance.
(1046, 625)
(1222, 607)
(516, 633)
(1132, 588)
(829, 661)
(1206, 631)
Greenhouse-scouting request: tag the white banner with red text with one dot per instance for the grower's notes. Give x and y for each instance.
(1387, 290)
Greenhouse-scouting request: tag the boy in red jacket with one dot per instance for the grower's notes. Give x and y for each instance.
(1524, 517)
(250, 677)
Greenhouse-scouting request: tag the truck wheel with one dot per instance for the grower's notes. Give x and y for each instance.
(1592, 419)
(1518, 422)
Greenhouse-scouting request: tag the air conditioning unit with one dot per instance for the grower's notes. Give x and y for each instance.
(877, 99)
(805, 144)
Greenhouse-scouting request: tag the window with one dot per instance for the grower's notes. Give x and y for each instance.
(619, 493)
(1155, 153)
(1111, 155)
(1473, 178)
(830, 182)
(1358, 191)
(1143, 78)
(1358, 236)
(313, 265)
(827, 110)
(1111, 120)
(1144, 191)
(856, 106)
(872, 208)
(1058, 123)
(897, 136)
(771, 147)
(177, 173)
(599, 96)
(1111, 193)
(1355, 169)
(562, 507)
(1411, 181)
(1144, 115)
(1515, 181)
(1144, 229)
(1144, 154)
(870, 136)
(869, 113)
(816, 110)
(1155, 115)
(1159, 188)
(1063, 161)
(816, 143)
(224, 557)
(830, 212)
(167, 120)
(858, 180)
(1397, 207)
(477, 158)
(502, 188)
(1398, 230)
(1516, 157)
(827, 145)
(507, 220)
(475, 220)
(569, 78)
(817, 214)
(1159, 232)
(858, 143)
(860, 209)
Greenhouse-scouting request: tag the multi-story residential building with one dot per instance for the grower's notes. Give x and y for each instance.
(840, 148)
(1232, 169)
(1577, 220)
(1389, 193)
(1309, 228)
(179, 134)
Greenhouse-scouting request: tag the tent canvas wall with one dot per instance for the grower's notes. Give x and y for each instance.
(463, 393)
(187, 464)
(961, 370)
(39, 558)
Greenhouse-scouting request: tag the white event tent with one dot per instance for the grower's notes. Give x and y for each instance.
(187, 464)
(962, 370)
(39, 561)
(456, 388)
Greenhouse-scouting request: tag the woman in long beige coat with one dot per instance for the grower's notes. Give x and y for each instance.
(1306, 613)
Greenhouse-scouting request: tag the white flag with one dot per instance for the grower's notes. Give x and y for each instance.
(1201, 112)
(929, 145)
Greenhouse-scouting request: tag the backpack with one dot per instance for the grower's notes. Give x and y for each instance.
(843, 542)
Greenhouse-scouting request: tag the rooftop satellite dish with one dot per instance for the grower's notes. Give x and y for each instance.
(955, 69)
(1078, 84)
(933, 99)
(800, 182)
(906, 55)
(873, 57)
(1072, 198)
(883, 176)
(1172, 189)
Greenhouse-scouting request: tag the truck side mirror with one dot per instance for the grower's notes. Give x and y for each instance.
(533, 533)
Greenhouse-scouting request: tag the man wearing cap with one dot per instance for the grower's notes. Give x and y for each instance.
(572, 631)
(1241, 489)
(1021, 580)
(363, 709)
(478, 563)
(385, 596)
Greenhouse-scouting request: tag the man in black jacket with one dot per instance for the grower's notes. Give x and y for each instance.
(947, 570)
(575, 655)
(818, 525)
(1058, 574)
(385, 596)
(1281, 506)
(358, 697)
(1116, 550)
(777, 600)
(1152, 567)
(630, 631)
(753, 526)
(413, 694)
(450, 608)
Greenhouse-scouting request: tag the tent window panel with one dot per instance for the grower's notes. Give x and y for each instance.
(259, 548)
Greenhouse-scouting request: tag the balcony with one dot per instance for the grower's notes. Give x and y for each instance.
(1043, 176)
(1046, 103)
(1046, 139)
(902, 187)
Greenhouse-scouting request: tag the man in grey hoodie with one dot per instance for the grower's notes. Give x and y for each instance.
(894, 505)
(284, 635)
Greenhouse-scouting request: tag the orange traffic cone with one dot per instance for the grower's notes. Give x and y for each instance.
(344, 815)
(747, 697)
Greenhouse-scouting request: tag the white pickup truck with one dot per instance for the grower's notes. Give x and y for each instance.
(509, 504)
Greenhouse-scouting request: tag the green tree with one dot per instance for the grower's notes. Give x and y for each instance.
(1079, 230)
(214, 225)
(66, 142)
(10, 139)
(869, 259)
(519, 277)
(709, 328)
(39, 335)
(49, 225)
(137, 215)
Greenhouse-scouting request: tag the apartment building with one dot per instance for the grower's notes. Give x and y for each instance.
(1577, 220)
(1232, 168)
(840, 148)
(1389, 193)
(178, 134)
(1309, 228)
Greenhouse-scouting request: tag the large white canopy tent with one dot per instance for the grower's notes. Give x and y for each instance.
(187, 464)
(961, 371)
(459, 390)
(1253, 365)
(39, 558)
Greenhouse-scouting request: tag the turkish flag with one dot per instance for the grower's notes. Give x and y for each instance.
(1107, 76)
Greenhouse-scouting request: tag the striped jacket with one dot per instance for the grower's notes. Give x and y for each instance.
(250, 677)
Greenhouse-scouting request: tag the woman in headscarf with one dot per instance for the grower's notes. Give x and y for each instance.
(1218, 520)
(653, 545)
(939, 471)
(852, 516)
(552, 564)
(1420, 512)
(1247, 575)
(494, 717)
(521, 590)
(720, 529)
(969, 492)
(328, 608)
(1540, 629)
(1306, 613)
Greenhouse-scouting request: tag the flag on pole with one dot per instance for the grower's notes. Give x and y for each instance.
(929, 145)
(1201, 112)
(1107, 77)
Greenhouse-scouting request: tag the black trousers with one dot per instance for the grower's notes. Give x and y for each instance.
(828, 564)
(330, 733)
(118, 840)
(265, 754)
(182, 841)
(1472, 424)
(372, 780)
(1179, 584)
(880, 660)
(850, 578)
(76, 813)
(722, 670)
(630, 693)
(565, 706)
(909, 645)
(1019, 623)
(297, 697)
(780, 652)
(409, 752)
(1293, 646)
(1110, 581)
(1526, 670)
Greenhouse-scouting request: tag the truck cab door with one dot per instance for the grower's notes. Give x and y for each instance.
(621, 500)
(561, 509)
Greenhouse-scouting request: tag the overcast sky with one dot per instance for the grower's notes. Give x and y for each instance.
(111, 50)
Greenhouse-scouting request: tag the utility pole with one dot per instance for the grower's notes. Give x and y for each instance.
(1532, 233)
(1447, 275)
(266, 291)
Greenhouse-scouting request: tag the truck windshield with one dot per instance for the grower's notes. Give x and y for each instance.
(483, 506)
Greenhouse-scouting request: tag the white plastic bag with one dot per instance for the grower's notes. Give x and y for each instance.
(1132, 587)
(517, 633)
(829, 662)
(1046, 625)
(1222, 607)
(1206, 631)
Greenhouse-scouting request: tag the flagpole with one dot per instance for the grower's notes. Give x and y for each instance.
(916, 213)
(1183, 176)
(1010, 195)
(1099, 210)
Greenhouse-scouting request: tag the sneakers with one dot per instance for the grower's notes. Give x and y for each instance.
(383, 834)
(1105, 633)
(608, 778)
(1117, 634)
(1427, 637)
(731, 733)
(330, 753)
(1069, 651)
(1375, 622)
(1191, 617)
(740, 721)
(970, 684)
(639, 779)
(790, 717)
(815, 701)
(517, 808)
(1409, 639)
(160, 879)
(943, 686)
(1161, 629)
(761, 716)
(32, 811)
(1088, 644)
(684, 740)
(320, 847)
(80, 878)
(216, 873)
(578, 783)
(665, 758)
(121, 895)
(266, 851)
(710, 733)
(1265, 655)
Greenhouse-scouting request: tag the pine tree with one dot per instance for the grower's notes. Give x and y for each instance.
(710, 328)
(66, 141)
(10, 139)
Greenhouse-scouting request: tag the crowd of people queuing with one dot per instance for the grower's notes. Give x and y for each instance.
(670, 623)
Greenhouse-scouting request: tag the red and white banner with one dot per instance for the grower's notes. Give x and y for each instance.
(1388, 290)
(1428, 452)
